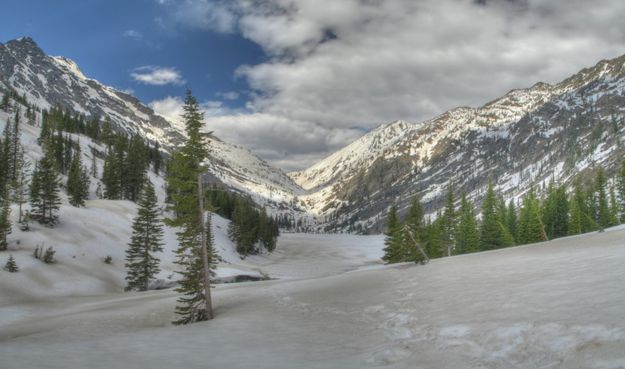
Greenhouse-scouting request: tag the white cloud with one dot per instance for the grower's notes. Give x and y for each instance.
(334, 65)
(135, 35)
(229, 95)
(204, 14)
(158, 76)
(170, 107)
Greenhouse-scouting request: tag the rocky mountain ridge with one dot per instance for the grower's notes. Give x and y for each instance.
(523, 139)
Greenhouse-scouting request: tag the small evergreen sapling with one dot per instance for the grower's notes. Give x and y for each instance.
(11, 265)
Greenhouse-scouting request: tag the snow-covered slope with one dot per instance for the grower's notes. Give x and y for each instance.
(553, 305)
(522, 139)
(48, 81)
(240, 169)
(85, 236)
(519, 140)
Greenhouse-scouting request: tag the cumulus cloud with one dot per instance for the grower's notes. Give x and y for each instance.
(335, 68)
(157, 76)
(204, 14)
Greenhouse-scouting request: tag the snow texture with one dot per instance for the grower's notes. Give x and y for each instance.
(553, 305)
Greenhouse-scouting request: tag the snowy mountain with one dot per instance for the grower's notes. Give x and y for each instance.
(522, 139)
(48, 81)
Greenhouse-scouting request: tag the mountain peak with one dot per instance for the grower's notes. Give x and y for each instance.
(24, 46)
(23, 41)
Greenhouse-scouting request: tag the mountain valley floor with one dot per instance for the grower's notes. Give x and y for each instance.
(559, 304)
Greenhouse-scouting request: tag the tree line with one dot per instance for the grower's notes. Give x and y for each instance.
(543, 215)
(251, 229)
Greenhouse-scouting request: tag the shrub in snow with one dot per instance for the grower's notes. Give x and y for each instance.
(11, 265)
(48, 256)
(108, 259)
(38, 252)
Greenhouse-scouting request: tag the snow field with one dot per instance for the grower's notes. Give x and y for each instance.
(553, 305)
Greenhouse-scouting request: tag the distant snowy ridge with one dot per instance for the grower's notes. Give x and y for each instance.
(519, 140)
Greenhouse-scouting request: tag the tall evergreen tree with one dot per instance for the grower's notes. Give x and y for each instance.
(602, 210)
(614, 218)
(182, 179)
(393, 242)
(531, 228)
(512, 220)
(434, 241)
(77, 181)
(620, 183)
(491, 236)
(113, 171)
(449, 222)
(576, 219)
(416, 225)
(10, 147)
(135, 165)
(147, 239)
(467, 235)
(45, 200)
(555, 211)
(5, 220)
(21, 184)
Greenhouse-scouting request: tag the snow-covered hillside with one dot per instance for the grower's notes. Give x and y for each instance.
(523, 139)
(48, 81)
(553, 305)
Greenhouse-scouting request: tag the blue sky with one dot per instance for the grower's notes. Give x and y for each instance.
(110, 39)
(295, 80)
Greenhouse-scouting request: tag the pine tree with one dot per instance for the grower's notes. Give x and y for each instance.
(512, 220)
(620, 182)
(5, 221)
(614, 218)
(10, 147)
(11, 265)
(182, 179)
(146, 240)
(531, 227)
(244, 228)
(77, 181)
(21, 184)
(449, 222)
(393, 250)
(602, 210)
(491, 236)
(467, 235)
(113, 171)
(434, 240)
(44, 193)
(555, 211)
(416, 225)
(135, 166)
(576, 220)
